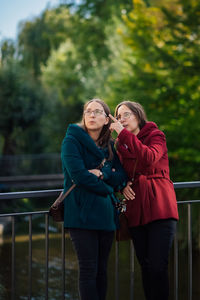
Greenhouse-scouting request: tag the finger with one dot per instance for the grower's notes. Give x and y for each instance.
(111, 126)
(131, 197)
(113, 119)
(129, 188)
(127, 195)
(131, 194)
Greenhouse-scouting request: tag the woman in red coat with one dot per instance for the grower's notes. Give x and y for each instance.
(152, 214)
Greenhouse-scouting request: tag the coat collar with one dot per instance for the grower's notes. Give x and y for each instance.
(84, 139)
(146, 130)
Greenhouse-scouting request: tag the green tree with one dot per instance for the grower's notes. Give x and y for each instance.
(84, 23)
(163, 75)
(100, 8)
(62, 76)
(39, 36)
(7, 50)
(22, 107)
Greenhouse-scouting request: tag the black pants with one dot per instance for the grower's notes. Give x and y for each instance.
(92, 248)
(152, 243)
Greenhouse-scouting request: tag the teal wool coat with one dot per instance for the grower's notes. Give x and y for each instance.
(90, 203)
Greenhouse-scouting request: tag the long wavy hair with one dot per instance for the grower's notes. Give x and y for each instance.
(105, 137)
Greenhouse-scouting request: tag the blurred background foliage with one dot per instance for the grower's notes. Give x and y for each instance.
(146, 51)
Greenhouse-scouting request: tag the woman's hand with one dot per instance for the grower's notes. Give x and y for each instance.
(128, 193)
(116, 125)
(96, 172)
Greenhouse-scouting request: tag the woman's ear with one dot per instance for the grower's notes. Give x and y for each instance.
(107, 120)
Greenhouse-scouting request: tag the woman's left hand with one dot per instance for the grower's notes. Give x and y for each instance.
(128, 192)
(116, 125)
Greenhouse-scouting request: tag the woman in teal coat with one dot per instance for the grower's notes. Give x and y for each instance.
(90, 161)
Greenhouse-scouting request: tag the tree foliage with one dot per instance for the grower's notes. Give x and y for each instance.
(163, 74)
(22, 106)
(38, 37)
(147, 51)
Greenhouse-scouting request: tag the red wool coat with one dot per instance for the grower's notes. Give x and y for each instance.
(154, 192)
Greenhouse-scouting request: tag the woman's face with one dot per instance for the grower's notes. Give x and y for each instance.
(95, 117)
(127, 118)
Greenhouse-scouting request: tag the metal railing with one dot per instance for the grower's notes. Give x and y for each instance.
(47, 193)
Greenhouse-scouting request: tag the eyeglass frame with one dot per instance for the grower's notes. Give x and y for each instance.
(125, 117)
(96, 112)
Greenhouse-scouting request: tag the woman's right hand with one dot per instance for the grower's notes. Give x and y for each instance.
(128, 192)
(96, 172)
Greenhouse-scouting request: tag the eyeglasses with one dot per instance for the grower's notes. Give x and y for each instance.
(96, 112)
(125, 116)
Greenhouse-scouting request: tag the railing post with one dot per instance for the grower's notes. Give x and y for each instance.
(131, 271)
(13, 258)
(63, 262)
(30, 259)
(189, 252)
(46, 254)
(176, 267)
(116, 270)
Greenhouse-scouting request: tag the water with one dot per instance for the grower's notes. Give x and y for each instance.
(38, 268)
(55, 279)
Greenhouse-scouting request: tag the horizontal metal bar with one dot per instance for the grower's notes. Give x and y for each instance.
(191, 184)
(25, 213)
(46, 211)
(47, 193)
(188, 201)
(29, 194)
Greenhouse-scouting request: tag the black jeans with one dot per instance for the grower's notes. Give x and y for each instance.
(152, 243)
(92, 248)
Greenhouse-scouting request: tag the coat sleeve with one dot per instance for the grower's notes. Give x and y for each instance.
(114, 173)
(149, 155)
(73, 162)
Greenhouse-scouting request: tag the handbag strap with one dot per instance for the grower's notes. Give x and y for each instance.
(68, 191)
(73, 185)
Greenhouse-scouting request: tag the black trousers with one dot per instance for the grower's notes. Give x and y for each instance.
(92, 248)
(152, 243)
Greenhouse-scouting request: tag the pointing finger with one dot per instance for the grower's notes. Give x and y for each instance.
(112, 118)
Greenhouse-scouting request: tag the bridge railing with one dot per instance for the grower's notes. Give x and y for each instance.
(54, 193)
